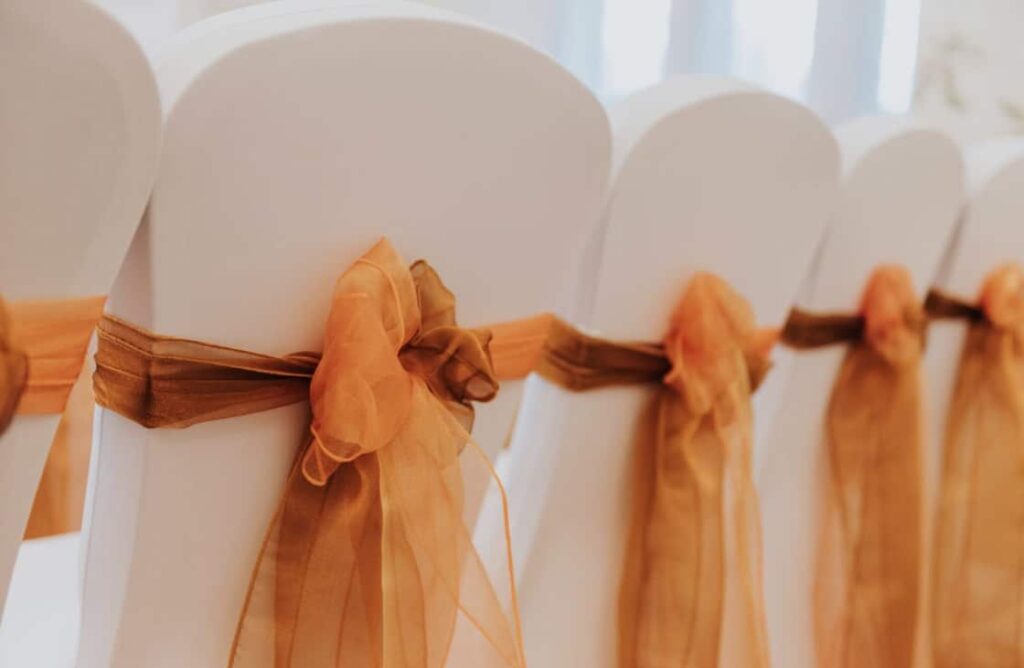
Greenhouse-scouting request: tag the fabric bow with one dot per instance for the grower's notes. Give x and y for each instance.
(977, 582)
(672, 599)
(867, 589)
(375, 349)
(368, 562)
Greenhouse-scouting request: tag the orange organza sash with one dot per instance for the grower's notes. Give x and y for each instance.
(42, 348)
(60, 496)
(867, 580)
(13, 370)
(978, 567)
(695, 485)
(367, 561)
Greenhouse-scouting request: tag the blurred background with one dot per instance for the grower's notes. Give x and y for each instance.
(953, 62)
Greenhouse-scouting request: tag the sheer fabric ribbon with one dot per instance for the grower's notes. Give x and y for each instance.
(978, 568)
(367, 561)
(866, 592)
(698, 449)
(42, 348)
(43, 344)
(13, 370)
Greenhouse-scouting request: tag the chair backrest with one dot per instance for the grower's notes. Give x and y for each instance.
(80, 131)
(901, 192)
(296, 136)
(708, 175)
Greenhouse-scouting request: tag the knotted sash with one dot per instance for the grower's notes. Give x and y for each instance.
(978, 567)
(867, 581)
(672, 591)
(42, 348)
(367, 561)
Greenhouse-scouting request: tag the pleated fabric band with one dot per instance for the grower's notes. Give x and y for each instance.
(159, 381)
(43, 344)
(697, 445)
(867, 590)
(168, 382)
(977, 615)
(367, 561)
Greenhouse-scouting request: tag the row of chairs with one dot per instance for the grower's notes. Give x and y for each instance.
(270, 146)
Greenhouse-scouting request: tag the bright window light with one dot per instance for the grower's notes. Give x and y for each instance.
(635, 37)
(774, 43)
(899, 55)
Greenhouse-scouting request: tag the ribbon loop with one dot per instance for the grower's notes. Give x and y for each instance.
(361, 392)
(455, 362)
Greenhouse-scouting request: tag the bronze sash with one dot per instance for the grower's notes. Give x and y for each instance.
(697, 444)
(367, 561)
(977, 606)
(866, 594)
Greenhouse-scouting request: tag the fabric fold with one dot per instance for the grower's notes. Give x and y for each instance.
(866, 593)
(166, 382)
(696, 485)
(367, 561)
(977, 577)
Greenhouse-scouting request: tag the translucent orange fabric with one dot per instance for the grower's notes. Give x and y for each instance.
(695, 485)
(867, 582)
(42, 351)
(978, 567)
(367, 561)
(13, 370)
(54, 335)
(517, 345)
(60, 496)
(42, 348)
